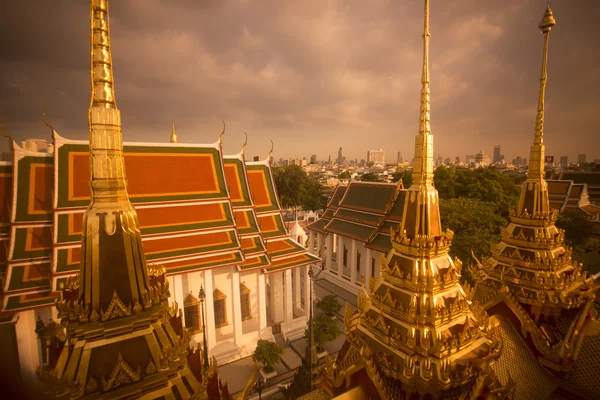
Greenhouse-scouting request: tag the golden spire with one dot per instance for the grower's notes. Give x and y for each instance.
(113, 261)
(421, 216)
(534, 193)
(423, 164)
(173, 138)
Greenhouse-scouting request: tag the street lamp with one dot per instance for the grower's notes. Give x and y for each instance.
(260, 385)
(202, 297)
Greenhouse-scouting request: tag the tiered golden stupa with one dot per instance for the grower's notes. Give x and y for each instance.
(119, 338)
(543, 300)
(415, 334)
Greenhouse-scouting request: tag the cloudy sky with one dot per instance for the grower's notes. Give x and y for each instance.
(310, 75)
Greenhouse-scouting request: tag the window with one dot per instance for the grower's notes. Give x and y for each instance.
(357, 263)
(191, 312)
(245, 302)
(373, 267)
(345, 256)
(220, 308)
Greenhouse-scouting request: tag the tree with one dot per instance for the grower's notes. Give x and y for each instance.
(325, 330)
(344, 175)
(476, 227)
(329, 305)
(296, 188)
(578, 229)
(370, 177)
(267, 353)
(405, 175)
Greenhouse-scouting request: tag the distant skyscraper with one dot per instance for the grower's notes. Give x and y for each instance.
(376, 156)
(340, 158)
(256, 158)
(497, 155)
(581, 158)
(399, 157)
(564, 160)
(313, 159)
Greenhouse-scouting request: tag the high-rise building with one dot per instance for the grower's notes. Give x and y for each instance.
(496, 154)
(313, 159)
(37, 145)
(581, 158)
(399, 157)
(376, 156)
(340, 157)
(564, 160)
(256, 158)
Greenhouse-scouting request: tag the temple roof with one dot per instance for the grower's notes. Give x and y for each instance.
(224, 213)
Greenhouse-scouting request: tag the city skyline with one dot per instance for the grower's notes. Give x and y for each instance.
(312, 71)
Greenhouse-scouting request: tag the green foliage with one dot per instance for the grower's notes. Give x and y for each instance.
(329, 305)
(325, 330)
(296, 188)
(476, 226)
(578, 229)
(268, 353)
(344, 175)
(370, 177)
(483, 184)
(405, 175)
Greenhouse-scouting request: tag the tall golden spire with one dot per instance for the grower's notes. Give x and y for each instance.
(173, 138)
(113, 262)
(421, 213)
(534, 194)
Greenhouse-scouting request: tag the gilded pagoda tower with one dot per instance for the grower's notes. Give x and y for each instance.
(415, 335)
(118, 338)
(531, 270)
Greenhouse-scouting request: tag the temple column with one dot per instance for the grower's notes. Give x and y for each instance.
(296, 277)
(306, 291)
(287, 300)
(310, 242)
(28, 347)
(237, 306)
(340, 256)
(277, 306)
(368, 269)
(352, 261)
(209, 309)
(328, 253)
(319, 244)
(262, 303)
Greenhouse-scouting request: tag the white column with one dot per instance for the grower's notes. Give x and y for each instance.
(262, 303)
(306, 291)
(296, 278)
(368, 260)
(329, 251)
(177, 290)
(237, 306)
(277, 294)
(352, 261)
(288, 304)
(340, 256)
(28, 347)
(209, 309)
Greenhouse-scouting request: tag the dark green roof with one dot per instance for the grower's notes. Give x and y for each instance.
(357, 216)
(381, 242)
(368, 196)
(349, 229)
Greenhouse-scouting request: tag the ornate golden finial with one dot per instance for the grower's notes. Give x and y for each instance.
(222, 133)
(245, 143)
(173, 138)
(270, 151)
(6, 135)
(101, 59)
(545, 26)
(46, 120)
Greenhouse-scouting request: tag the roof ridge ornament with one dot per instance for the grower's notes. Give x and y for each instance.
(270, 151)
(245, 143)
(4, 133)
(173, 138)
(221, 135)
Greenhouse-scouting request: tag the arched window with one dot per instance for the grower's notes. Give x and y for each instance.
(220, 306)
(191, 312)
(245, 302)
